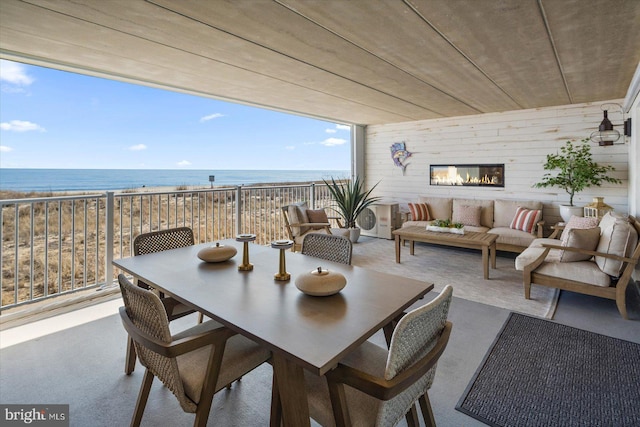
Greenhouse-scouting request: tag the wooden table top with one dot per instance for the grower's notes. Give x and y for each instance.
(416, 232)
(314, 332)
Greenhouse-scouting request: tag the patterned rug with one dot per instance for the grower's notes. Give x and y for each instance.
(540, 373)
(461, 268)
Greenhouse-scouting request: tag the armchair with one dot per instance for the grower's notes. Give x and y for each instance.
(300, 221)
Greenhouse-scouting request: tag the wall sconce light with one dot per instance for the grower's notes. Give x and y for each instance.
(606, 134)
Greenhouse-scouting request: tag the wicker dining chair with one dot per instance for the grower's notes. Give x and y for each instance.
(384, 386)
(194, 364)
(329, 247)
(158, 241)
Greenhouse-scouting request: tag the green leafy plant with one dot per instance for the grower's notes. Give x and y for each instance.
(577, 170)
(446, 223)
(351, 199)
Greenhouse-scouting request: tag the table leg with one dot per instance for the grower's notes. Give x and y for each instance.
(492, 250)
(411, 246)
(293, 395)
(398, 249)
(485, 261)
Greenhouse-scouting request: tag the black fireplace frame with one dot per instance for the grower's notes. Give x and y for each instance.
(483, 169)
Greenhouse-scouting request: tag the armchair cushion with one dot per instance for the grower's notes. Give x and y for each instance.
(580, 238)
(618, 237)
(579, 223)
(298, 215)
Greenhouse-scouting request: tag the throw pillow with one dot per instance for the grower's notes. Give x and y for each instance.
(419, 212)
(298, 215)
(618, 237)
(579, 223)
(318, 216)
(526, 219)
(467, 215)
(580, 238)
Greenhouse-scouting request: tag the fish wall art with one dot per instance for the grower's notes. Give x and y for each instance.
(399, 154)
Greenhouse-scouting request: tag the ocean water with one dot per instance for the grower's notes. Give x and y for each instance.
(44, 180)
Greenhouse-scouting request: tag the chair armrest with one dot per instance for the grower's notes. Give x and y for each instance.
(594, 253)
(540, 229)
(557, 229)
(175, 348)
(387, 389)
(535, 263)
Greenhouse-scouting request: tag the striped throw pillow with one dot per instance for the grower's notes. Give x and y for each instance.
(526, 219)
(419, 212)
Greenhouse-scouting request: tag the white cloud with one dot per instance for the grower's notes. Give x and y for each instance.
(332, 142)
(138, 147)
(210, 117)
(5, 149)
(20, 126)
(14, 73)
(184, 163)
(330, 131)
(343, 127)
(290, 147)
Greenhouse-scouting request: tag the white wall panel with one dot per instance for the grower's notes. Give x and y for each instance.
(519, 139)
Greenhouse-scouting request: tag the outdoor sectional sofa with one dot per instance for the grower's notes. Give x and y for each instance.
(485, 216)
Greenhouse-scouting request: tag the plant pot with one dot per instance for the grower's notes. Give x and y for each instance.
(567, 211)
(354, 234)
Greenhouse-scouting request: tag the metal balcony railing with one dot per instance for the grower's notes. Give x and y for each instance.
(57, 245)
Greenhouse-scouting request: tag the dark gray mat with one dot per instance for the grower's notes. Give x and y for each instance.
(541, 373)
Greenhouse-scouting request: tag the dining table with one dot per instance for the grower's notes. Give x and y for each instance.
(303, 332)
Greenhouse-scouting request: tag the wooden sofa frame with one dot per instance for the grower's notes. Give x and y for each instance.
(616, 293)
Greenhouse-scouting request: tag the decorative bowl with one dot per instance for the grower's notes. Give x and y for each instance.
(217, 253)
(321, 282)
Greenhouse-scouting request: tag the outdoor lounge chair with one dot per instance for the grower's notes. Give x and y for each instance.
(300, 220)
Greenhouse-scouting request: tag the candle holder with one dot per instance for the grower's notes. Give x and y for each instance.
(245, 238)
(283, 245)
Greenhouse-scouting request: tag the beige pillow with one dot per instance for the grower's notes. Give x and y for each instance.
(467, 215)
(587, 239)
(577, 222)
(298, 215)
(618, 237)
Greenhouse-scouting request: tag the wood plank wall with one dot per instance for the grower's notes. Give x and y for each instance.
(519, 139)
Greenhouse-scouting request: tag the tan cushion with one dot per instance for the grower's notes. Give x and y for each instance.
(439, 207)
(526, 219)
(419, 212)
(486, 213)
(581, 271)
(578, 222)
(317, 216)
(618, 237)
(583, 239)
(532, 253)
(509, 236)
(505, 210)
(298, 215)
(467, 215)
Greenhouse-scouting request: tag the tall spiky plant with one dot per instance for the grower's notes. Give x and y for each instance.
(351, 199)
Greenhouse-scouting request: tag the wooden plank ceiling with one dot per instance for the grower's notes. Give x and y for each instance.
(356, 61)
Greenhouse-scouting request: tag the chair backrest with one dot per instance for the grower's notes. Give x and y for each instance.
(415, 335)
(163, 240)
(294, 214)
(147, 315)
(329, 247)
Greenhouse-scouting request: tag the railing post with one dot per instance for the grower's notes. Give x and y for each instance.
(109, 230)
(238, 210)
(312, 195)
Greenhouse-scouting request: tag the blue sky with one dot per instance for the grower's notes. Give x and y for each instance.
(55, 119)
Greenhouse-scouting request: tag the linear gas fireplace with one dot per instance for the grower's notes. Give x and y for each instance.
(481, 175)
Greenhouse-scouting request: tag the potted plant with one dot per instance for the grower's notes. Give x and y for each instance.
(577, 171)
(351, 199)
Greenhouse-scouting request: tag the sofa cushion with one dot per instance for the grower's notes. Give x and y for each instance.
(419, 212)
(618, 237)
(439, 207)
(486, 212)
(505, 210)
(577, 222)
(583, 239)
(467, 215)
(526, 219)
(298, 215)
(509, 236)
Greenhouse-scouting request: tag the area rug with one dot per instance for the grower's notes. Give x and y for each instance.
(541, 373)
(462, 269)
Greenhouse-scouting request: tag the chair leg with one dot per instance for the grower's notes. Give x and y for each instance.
(130, 357)
(412, 417)
(142, 398)
(427, 412)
